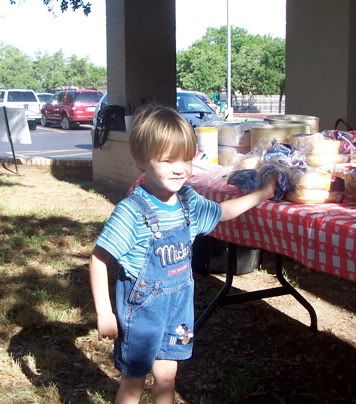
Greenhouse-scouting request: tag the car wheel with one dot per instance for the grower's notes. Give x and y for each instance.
(32, 125)
(44, 121)
(65, 124)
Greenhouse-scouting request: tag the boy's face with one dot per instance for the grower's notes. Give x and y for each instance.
(164, 176)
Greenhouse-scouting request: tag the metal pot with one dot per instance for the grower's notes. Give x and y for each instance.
(263, 135)
(311, 121)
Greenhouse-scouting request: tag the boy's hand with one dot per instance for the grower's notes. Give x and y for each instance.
(270, 187)
(107, 325)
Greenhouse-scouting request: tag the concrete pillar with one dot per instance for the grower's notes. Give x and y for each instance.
(321, 60)
(141, 52)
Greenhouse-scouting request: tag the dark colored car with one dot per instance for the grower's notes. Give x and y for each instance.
(194, 110)
(44, 98)
(188, 104)
(207, 100)
(71, 108)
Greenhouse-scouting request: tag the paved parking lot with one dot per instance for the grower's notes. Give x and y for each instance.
(53, 143)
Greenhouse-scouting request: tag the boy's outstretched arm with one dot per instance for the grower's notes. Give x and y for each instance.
(235, 207)
(107, 323)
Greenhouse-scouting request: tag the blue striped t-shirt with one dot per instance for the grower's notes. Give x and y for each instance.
(125, 235)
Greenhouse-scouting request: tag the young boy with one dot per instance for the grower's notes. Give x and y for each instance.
(150, 234)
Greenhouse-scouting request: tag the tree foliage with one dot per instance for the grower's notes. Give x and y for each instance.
(15, 68)
(47, 72)
(257, 63)
(64, 5)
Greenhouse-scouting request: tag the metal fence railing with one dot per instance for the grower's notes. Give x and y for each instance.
(259, 103)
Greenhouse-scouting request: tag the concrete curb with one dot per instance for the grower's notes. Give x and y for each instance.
(45, 162)
(63, 169)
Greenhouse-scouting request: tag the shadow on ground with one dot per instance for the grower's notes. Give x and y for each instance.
(332, 289)
(247, 353)
(51, 352)
(252, 353)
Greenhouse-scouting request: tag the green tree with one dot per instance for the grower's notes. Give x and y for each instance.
(259, 66)
(257, 63)
(201, 67)
(16, 69)
(81, 73)
(64, 5)
(49, 71)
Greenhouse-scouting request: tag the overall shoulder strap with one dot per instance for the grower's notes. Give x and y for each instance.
(143, 207)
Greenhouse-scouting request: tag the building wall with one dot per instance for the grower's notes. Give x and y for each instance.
(115, 44)
(351, 113)
(141, 49)
(113, 165)
(320, 50)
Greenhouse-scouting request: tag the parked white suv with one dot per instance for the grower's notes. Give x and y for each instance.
(22, 98)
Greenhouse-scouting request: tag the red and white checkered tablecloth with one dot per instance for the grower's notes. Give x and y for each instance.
(320, 236)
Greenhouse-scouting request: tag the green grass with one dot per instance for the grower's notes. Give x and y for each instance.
(47, 231)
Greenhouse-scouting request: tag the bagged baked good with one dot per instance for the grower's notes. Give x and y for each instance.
(353, 158)
(325, 160)
(234, 135)
(350, 183)
(297, 140)
(316, 144)
(249, 162)
(304, 195)
(228, 156)
(311, 179)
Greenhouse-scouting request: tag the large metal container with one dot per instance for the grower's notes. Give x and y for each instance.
(311, 121)
(262, 136)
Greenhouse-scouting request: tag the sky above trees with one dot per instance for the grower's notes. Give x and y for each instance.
(43, 31)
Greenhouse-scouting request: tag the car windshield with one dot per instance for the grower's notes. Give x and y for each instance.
(87, 97)
(203, 97)
(103, 101)
(45, 97)
(21, 96)
(189, 103)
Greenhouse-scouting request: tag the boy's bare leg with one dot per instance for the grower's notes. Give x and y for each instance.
(164, 374)
(130, 390)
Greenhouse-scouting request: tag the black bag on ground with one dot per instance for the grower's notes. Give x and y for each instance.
(111, 117)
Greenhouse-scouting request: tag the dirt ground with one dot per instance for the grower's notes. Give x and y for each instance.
(264, 351)
(261, 351)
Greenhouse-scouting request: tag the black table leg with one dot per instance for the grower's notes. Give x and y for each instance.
(223, 297)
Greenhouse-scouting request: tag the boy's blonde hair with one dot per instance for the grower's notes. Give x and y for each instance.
(158, 128)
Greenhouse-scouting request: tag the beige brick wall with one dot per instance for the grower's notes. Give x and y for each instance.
(113, 165)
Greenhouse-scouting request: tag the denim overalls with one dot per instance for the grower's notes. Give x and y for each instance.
(155, 311)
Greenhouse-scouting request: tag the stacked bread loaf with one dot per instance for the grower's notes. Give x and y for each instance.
(319, 150)
(312, 186)
(234, 140)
